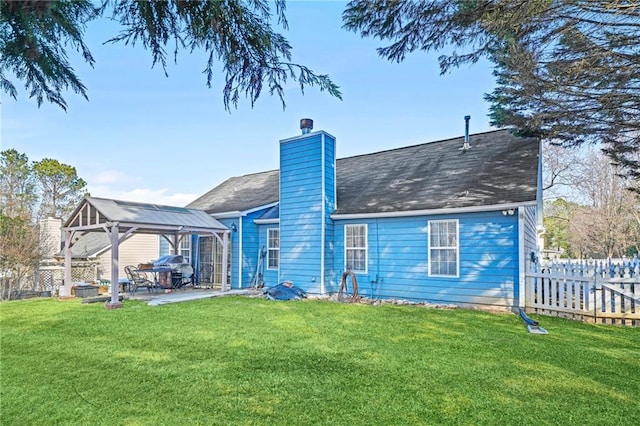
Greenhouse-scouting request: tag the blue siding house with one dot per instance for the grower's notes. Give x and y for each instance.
(449, 221)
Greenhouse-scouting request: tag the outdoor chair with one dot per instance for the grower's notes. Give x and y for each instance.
(138, 279)
(178, 280)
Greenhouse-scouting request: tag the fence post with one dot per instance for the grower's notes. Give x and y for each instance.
(597, 297)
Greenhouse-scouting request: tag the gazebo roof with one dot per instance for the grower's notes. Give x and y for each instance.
(95, 213)
(119, 219)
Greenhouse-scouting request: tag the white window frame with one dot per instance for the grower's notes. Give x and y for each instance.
(455, 247)
(185, 246)
(365, 248)
(270, 249)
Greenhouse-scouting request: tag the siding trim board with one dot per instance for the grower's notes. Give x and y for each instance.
(323, 212)
(240, 250)
(521, 259)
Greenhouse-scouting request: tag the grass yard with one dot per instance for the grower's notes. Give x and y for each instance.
(243, 361)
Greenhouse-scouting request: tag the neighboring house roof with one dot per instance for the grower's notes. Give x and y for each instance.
(499, 168)
(145, 217)
(90, 245)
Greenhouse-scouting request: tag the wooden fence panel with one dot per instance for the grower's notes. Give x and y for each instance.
(602, 292)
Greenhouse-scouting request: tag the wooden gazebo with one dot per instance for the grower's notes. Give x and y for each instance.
(120, 219)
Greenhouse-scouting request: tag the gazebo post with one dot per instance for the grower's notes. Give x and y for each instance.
(175, 243)
(114, 234)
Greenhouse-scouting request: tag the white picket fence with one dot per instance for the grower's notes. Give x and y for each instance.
(604, 292)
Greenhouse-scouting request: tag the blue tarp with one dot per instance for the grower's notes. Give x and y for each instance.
(284, 292)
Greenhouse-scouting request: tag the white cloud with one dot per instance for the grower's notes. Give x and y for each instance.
(105, 177)
(143, 195)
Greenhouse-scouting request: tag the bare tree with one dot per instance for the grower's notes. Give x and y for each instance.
(606, 223)
(57, 188)
(17, 186)
(558, 170)
(20, 253)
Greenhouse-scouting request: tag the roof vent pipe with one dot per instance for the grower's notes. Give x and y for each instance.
(466, 132)
(306, 125)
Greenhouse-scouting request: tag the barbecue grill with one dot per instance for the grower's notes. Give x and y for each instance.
(181, 272)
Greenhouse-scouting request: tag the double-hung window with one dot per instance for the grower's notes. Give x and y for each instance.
(185, 248)
(355, 248)
(273, 248)
(443, 248)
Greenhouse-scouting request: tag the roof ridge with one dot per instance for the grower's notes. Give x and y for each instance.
(133, 203)
(423, 143)
(251, 174)
(377, 152)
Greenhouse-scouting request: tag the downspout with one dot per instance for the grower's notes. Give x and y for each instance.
(323, 212)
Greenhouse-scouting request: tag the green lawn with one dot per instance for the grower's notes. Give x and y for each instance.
(239, 360)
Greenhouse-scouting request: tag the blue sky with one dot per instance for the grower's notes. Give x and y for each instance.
(145, 137)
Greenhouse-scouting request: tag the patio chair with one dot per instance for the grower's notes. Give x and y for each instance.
(179, 280)
(137, 279)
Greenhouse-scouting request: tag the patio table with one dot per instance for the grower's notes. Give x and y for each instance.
(155, 271)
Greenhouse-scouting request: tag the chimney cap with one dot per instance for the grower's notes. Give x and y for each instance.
(306, 125)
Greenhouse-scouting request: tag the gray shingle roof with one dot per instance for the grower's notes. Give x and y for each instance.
(500, 168)
(89, 245)
(241, 193)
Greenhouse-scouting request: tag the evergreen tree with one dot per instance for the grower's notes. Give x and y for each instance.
(567, 70)
(236, 36)
(61, 190)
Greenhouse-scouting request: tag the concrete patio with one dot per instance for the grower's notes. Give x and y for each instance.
(183, 295)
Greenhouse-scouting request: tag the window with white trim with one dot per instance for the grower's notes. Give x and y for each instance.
(273, 248)
(185, 248)
(355, 248)
(443, 248)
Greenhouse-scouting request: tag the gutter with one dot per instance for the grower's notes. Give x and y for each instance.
(432, 212)
(237, 213)
(266, 221)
